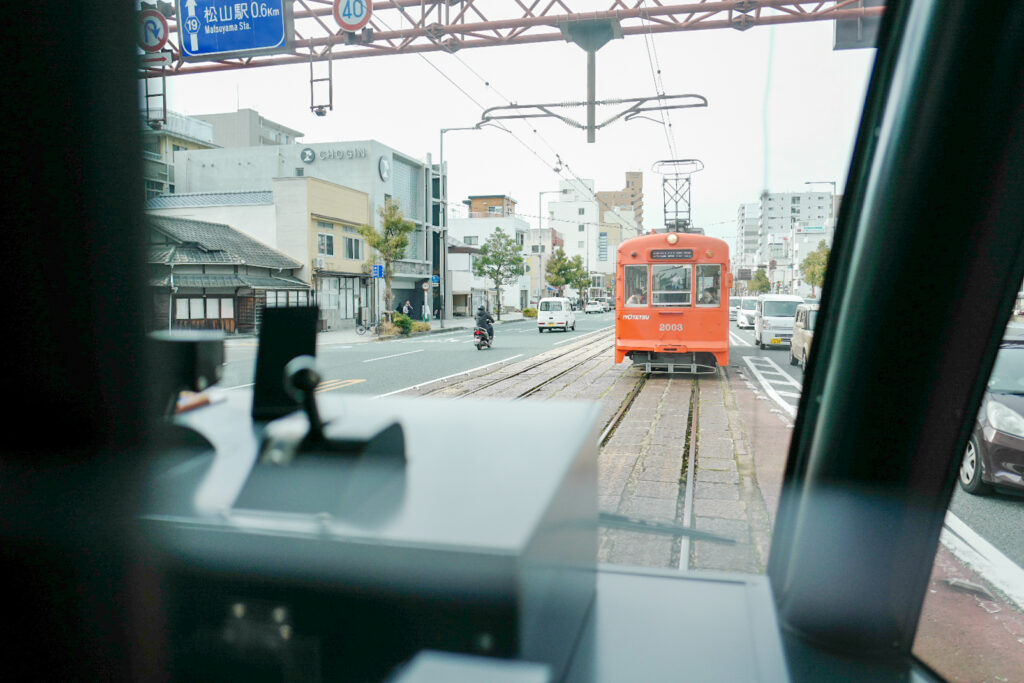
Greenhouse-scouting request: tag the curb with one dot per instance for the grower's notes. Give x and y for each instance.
(445, 330)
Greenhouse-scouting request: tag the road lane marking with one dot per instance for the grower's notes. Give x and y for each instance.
(996, 568)
(737, 339)
(332, 384)
(394, 355)
(767, 383)
(441, 379)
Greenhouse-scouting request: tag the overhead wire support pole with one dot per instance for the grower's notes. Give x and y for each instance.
(636, 109)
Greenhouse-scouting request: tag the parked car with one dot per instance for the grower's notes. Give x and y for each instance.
(803, 333)
(994, 457)
(745, 312)
(555, 313)
(773, 319)
(594, 307)
(734, 307)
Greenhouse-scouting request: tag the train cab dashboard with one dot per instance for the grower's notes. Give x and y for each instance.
(99, 584)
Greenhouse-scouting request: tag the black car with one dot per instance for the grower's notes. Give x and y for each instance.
(994, 457)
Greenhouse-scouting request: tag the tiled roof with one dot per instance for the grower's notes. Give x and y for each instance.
(211, 280)
(176, 201)
(200, 242)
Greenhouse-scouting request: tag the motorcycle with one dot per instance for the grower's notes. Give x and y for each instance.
(483, 340)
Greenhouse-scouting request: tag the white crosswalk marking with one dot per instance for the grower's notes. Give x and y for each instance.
(764, 371)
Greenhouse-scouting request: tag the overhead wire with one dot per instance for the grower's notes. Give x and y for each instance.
(561, 163)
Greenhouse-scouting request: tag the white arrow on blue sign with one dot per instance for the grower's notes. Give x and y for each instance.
(216, 29)
(378, 271)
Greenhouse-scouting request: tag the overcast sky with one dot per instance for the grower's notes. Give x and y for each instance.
(786, 80)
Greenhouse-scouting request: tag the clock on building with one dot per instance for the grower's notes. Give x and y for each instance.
(384, 166)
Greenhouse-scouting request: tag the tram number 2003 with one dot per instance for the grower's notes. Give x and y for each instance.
(671, 327)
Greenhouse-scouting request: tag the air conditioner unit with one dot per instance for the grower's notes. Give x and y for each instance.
(318, 262)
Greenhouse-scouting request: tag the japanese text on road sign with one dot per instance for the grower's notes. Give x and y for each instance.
(222, 28)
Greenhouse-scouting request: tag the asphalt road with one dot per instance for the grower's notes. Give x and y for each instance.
(377, 368)
(998, 518)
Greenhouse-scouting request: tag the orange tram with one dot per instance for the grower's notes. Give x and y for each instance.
(672, 303)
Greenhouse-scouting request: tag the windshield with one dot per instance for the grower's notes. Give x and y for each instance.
(425, 172)
(1008, 373)
(780, 309)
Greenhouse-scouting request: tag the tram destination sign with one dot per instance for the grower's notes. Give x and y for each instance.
(671, 254)
(217, 29)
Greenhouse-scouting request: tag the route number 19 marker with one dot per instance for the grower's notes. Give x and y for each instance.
(352, 15)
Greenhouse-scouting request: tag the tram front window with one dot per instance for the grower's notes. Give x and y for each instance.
(635, 281)
(671, 285)
(709, 284)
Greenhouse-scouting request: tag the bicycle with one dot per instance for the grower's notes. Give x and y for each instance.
(377, 328)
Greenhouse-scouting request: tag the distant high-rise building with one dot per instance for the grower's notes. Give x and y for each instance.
(632, 196)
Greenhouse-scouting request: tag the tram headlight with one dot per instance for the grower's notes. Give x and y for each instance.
(672, 238)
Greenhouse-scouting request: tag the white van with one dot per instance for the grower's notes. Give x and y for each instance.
(745, 312)
(555, 313)
(773, 319)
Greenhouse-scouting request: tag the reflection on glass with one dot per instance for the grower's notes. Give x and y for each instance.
(671, 285)
(812, 317)
(635, 280)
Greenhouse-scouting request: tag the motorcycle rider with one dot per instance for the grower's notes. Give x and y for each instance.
(484, 320)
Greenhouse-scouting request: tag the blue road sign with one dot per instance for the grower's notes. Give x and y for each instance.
(215, 29)
(378, 271)
(435, 279)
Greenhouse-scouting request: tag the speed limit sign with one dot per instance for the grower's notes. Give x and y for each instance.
(352, 15)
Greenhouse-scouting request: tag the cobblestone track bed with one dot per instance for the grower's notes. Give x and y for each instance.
(642, 466)
(727, 497)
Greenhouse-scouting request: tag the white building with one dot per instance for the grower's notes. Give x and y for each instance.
(539, 246)
(246, 128)
(779, 213)
(805, 237)
(576, 214)
(367, 166)
(468, 290)
(475, 230)
(748, 224)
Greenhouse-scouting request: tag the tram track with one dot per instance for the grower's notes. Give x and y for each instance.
(572, 354)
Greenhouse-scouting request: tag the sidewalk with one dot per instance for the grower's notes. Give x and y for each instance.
(350, 336)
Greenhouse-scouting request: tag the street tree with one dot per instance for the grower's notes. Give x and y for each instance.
(559, 270)
(813, 267)
(390, 242)
(579, 278)
(500, 260)
(759, 283)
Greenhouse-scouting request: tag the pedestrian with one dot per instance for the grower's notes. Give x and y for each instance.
(407, 307)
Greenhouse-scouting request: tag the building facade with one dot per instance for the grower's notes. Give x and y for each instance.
(177, 133)
(246, 128)
(487, 214)
(539, 246)
(380, 172)
(776, 215)
(209, 276)
(310, 220)
(629, 201)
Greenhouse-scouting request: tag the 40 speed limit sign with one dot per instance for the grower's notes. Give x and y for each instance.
(352, 15)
